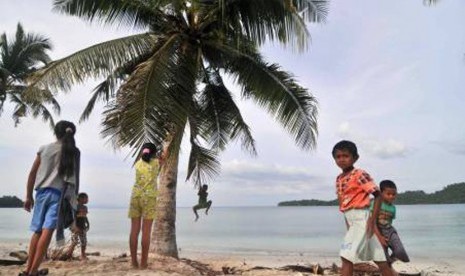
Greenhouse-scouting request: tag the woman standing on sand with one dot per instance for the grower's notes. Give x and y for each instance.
(54, 175)
(143, 202)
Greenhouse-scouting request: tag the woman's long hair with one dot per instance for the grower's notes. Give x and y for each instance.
(149, 151)
(64, 131)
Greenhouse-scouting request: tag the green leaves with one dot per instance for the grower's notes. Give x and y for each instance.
(168, 80)
(95, 61)
(276, 91)
(222, 119)
(203, 164)
(18, 59)
(135, 116)
(272, 20)
(133, 13)
(34, 106)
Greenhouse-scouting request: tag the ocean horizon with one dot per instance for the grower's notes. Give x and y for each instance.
(258, 230)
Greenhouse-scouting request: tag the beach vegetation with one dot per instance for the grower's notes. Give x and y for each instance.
(450, 194)
(10, 202)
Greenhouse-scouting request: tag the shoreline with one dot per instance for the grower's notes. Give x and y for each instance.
(191, 261)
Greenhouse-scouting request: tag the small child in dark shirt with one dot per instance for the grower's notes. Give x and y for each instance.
(203, 203)
(82, 226)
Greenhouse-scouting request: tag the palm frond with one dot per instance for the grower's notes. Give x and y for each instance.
(35, 108)
(311, 10)
(269, 20)
(35, 49)
(106, 90)
(102, 91)
(146, 102)
(135, 13)
(277, 91)
(94, 61)
(203, 164)
(25, 52)
(18, 58)
(222, 118)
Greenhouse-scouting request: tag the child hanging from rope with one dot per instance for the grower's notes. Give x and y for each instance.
(203, 203)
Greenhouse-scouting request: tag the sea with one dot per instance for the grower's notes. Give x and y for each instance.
(429, 232)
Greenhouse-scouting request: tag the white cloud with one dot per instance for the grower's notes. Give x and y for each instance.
(344, 130)
(377, 147)
(261, 178)
(389, 148)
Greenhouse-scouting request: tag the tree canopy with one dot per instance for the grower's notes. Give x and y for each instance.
(171, 76)
(10, 202)
(451, 194)
(19, 57)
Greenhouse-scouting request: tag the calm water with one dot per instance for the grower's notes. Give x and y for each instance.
(428, 231)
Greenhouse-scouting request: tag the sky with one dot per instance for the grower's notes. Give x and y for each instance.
(388, 75)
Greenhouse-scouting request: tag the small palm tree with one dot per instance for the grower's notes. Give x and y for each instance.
(18, 59)
(168, 81)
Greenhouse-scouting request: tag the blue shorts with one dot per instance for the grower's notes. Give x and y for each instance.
(45, 214)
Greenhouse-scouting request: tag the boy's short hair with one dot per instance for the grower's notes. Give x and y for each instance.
(82, 195)
(346, 145)
(386, 184)
(205, 186)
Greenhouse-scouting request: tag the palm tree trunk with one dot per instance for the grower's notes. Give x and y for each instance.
(164, 232)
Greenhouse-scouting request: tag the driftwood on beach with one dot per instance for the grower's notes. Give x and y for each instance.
(21, 257)
(5, 262)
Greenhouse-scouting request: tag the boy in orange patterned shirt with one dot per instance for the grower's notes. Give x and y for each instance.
(354, 187)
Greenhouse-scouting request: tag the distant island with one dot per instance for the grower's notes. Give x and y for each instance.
(451, 194)
(10, 202)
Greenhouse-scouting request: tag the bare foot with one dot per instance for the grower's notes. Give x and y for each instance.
(143, 266)
(135, 265)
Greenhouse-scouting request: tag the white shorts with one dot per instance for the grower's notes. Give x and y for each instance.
(357, 247)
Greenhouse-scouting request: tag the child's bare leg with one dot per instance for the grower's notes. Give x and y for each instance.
(83, 252)
(195, 212)
(209, 204)
(133, 238)
(69, 253)
(146, 230)
(347, 268)
(384, 268)
(32, 250)
(41, 249)
(83, 240)
(74, 243)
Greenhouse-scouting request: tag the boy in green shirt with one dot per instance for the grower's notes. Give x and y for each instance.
(386, 215)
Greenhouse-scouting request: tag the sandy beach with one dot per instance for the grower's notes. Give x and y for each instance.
(195, 263)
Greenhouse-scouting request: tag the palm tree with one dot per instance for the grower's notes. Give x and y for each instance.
(168, 81)
(18, 59)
